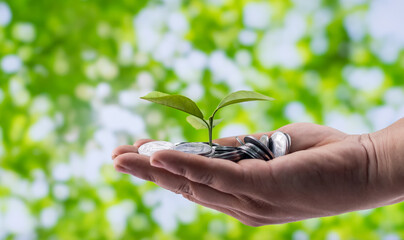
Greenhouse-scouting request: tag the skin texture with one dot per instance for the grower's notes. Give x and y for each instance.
(327, 173)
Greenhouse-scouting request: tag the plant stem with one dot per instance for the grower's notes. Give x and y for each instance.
(210, 130)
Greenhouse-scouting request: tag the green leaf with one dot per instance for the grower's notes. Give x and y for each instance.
(179, 102)
(242, 96)
(197, 123)
(216, 122)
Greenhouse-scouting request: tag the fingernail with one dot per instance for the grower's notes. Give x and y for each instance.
(156, 163)
(114, 155)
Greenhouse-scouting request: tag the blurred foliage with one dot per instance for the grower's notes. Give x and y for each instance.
(72, 71)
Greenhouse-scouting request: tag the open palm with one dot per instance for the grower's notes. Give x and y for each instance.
(327, 172)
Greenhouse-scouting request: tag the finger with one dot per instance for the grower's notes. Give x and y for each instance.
(303, 136)
(123, 149)
(139, 166)
(140, 142)
(226, 176)
(309, 135)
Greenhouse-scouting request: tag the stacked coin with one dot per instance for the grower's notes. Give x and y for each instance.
(266, 148)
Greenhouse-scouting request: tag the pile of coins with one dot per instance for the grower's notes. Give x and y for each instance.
(266, 148)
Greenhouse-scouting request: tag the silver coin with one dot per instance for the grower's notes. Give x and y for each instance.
(239, 141)
(224, 149)
(289, 143)
(263, 154)
(266, 152)
(151, 147)
(264, 139)
(280, 144)
(232, 156)
(194, 148)
(249, 151)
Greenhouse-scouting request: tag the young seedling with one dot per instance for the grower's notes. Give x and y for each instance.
(196, 118)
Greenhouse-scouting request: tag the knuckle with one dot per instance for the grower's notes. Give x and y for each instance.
(183, 188)
(148, 177)
(182, 171)
(206, 178)
(189, 197)
(120, 150)
(118, 162)
(120, 169)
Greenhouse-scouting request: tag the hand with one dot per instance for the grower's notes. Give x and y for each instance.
(327, 173)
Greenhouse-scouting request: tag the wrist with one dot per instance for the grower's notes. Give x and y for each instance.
(387, 148)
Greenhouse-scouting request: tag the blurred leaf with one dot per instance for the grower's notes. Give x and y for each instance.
(179, 102)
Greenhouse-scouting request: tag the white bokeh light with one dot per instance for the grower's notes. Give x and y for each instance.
(61, 191)
(233, 130)
(126, 53)
(42, 128)
(145, 81)
(194, 90)
(25, 32)
(5, 14)
(167, 49)
(40, 105)
(355, 24)
(276, 50)
(296, 112)
(148, 25)
(118, 214)
(349, 4)
(319, 43)
(49, 216)
(351, 124)
(385, 18)
(61, 172)
(333, 236)
(243, 58)
(11, 63)
(106, 68)
(381, 117)
(366, 79)
(225, 70)
(300, 235)
(197, 59)
(40, 186)
(128, 98)
(18, 219)
(394, 97)
(178, 23)
(391, 236)
(103, 90)
(106, 140)
(168, 208)
(256, 15)
(247, 37)
(115, 118)
(18, 92)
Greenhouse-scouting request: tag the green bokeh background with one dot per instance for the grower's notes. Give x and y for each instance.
(72, 73)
